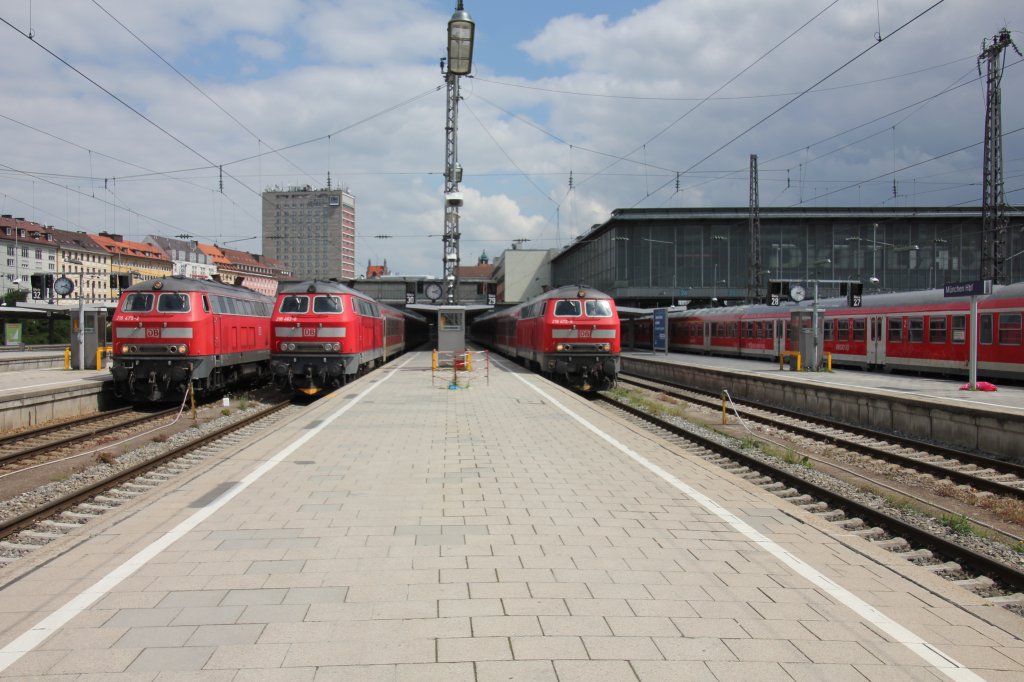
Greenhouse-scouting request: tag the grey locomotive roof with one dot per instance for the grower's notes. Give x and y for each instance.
(182, 283)
(321, 286)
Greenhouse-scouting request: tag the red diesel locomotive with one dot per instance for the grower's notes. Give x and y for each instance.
(174, 332)
(917, 331)
(325, 333)
(570, 333)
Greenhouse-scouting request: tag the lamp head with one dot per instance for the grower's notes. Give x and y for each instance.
(461, 30)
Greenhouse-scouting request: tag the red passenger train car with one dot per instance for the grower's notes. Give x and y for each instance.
(174, 332)
(918, 331)
(325, 333)
(570, 333)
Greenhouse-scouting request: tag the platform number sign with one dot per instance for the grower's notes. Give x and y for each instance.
(854, 292)
(775, 293)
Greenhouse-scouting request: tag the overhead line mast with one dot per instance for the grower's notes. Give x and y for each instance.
(994, 223)
(755, 280)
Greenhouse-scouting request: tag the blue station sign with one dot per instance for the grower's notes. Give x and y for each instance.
(661, 329)
(979, 287)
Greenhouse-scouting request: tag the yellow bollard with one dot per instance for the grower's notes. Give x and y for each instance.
(67, 358)
(725, 415)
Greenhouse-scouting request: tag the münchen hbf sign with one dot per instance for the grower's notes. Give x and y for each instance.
(978, 287)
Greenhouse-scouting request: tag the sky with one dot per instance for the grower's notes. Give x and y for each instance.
(171, 117)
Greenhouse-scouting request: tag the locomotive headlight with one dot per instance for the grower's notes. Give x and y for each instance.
(328, 347)
(560, 347)
(335, 346)
(288, 346)
(172, 349)
(183, 349)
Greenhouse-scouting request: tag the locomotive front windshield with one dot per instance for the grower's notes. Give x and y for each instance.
(173, 303)
(326, 304)
(575, 308)
(295, 304)
(138, 303)
(568, 308)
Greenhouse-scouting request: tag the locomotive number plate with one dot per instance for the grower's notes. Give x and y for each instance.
(152, 333)
(309, 331)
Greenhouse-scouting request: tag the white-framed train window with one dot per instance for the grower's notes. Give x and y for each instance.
(598, 308)
(959, 329)
(915, 330)
(1009, 329)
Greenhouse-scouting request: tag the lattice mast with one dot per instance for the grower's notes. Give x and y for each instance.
(994, 224)
(452, 173)
(755, 278)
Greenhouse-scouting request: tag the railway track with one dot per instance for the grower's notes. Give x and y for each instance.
(961, 468)
(51, 518)
(29, 447)
(994, 579)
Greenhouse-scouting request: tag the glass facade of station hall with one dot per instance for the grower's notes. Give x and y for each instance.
(659, 257)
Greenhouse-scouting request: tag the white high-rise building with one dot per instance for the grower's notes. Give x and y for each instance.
(311, 231)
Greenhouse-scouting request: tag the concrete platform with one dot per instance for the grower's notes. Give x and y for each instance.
(932, 409)
(406, 529)
(38, 395)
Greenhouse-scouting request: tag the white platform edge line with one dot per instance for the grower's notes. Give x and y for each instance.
(930, 653)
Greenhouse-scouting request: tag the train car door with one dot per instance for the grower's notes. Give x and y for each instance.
(876, 340)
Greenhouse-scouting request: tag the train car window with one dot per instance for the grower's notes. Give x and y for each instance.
(1009, 329)
(828, 330)
(567, 308)
(859, 329)
(206, 304)
(138, 303)
(915, 329)
(294, 304)
(759, 327)
(173, 303)
(326, 304)
(959, 329)
(985, 331)
(896, 330)
(842, 330)
(598, 308)
(937, 330)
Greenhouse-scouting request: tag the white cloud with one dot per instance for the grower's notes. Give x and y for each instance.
(297, 70)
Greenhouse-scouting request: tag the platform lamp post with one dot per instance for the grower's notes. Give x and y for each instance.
(81, 311)
(461, 30)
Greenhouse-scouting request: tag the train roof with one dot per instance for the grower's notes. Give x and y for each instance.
(327, 286)
(319, 286)
(928, 297)
(180, 283)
